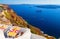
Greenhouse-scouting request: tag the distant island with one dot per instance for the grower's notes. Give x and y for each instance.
(48, 6)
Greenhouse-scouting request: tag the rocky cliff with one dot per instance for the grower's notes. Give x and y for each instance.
(18, 20)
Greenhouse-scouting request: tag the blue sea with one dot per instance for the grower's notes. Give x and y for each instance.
(45, 17)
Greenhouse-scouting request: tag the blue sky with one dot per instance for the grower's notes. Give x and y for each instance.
(30, 2)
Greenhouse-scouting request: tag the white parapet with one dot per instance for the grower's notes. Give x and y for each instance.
(34, 36)
(2, 35)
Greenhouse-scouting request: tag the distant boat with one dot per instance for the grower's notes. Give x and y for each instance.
(38, 11)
